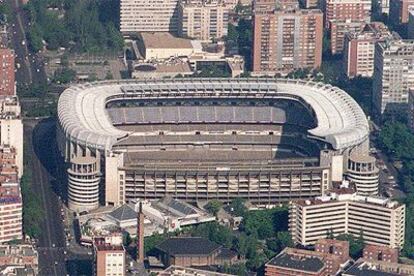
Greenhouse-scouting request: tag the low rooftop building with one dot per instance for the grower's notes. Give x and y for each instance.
(364, 267)
(19, 257)
(380, 253)
(187, 271)
(292, 261)
(194, 251)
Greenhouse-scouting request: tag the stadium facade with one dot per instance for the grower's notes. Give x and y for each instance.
(266, 140)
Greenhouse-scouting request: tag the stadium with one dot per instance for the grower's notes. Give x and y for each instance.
(266, 140)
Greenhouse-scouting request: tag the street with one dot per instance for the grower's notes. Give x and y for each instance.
(48, 181)
(51, 242)
(31, 69)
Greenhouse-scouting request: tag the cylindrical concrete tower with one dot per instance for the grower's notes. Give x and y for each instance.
(83, 186)
(364, 173)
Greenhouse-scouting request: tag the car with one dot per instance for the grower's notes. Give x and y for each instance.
(391, 177)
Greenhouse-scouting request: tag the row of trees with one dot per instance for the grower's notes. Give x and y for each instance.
(32, 209)
(91, 25)
(396, 140)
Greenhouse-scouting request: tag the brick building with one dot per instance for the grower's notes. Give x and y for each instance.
(7, 76)
(109, 260)
(194, 251)
(342, 16)
(326, 262)
(380, 253)
(333, 247)
(359, 49)
(285, 40)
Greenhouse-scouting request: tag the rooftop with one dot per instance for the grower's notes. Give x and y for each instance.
(152, 40)
(188, 246)
(366, 269)
(123, 213)
(187, 271)
(338, 197)
(84, 119)
(298, 260)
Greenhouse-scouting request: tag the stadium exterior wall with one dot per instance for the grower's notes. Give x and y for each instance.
(81, 135)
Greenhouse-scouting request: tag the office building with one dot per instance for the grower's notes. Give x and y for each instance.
(393, 76)
(359, 49)
(399, 11)
(148, 16)
(109, 260)
(379, 221)
(7, 76)
(203, 20)
(286, 40)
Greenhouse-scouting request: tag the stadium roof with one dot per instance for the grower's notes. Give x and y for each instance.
(84, 119)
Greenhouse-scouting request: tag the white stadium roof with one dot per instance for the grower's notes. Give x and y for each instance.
(84, 119)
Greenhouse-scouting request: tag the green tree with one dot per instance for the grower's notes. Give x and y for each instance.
(356, 245)
(214, 206)
(237, 206)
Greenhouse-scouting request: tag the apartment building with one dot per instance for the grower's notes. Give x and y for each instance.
(203, 20)
(109, 260)
(7, 76)
(379, 221)
(393, 76)
(359, 49)
(351, 10)
(11, 128)
(342, 16)
(148, 16)
(10, 197)
(18, 255)
(399, 10)
(311, 4)
(285, 40)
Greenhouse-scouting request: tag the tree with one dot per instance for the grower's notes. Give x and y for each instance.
(237, 206)
(214, 206)
(64, 75)
(283, 239)
(214, 232)
(356, 245)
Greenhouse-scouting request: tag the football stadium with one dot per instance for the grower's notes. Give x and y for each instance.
(266, 140)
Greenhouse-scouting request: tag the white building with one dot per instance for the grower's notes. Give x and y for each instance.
(203, 19)
(393, 75)
(380, 221)
(11, 128)
(148, 16)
